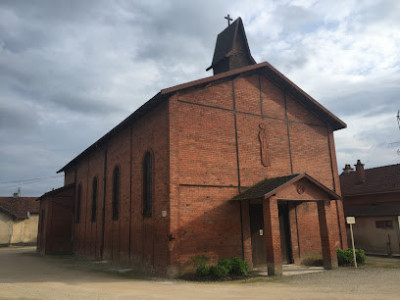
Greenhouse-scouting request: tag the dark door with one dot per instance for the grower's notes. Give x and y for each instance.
(286, 245)
(257, 234)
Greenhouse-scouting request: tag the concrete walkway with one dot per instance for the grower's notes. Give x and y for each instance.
(289, 270)
(26, 275)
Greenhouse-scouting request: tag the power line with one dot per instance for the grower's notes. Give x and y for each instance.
(31, 179)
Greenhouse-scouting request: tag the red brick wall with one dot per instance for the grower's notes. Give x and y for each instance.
(206, 152)
(131, 239)
(69, 176)
(55, 220)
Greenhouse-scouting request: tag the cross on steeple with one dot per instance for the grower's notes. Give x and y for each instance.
(228, 17)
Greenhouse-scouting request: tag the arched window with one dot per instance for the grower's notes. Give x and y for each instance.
(116, 192)
(94, 199)
(78, 204)
(147, 184)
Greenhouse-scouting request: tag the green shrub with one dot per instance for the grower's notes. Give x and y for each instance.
(360, 256)
(219, 271)
(199, 260)
(226, 263)
(239, 267)
(203, 270)
(345, 257)
(228, 266)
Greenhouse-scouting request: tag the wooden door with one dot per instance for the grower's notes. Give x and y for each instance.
(257, 235)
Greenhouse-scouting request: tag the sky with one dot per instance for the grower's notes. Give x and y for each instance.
(72, 70)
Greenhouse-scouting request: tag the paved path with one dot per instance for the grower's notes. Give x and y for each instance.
(26, 275)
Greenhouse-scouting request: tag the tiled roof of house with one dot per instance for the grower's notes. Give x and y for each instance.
(378, 209)
(377, 180)
(18, 207)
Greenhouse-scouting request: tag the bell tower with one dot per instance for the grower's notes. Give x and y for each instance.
(231, 50)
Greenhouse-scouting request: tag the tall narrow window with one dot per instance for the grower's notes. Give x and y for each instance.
(147, 184)
(115, 202)
(94, 199)
(78, 204)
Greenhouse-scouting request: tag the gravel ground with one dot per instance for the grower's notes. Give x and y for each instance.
(26, 275)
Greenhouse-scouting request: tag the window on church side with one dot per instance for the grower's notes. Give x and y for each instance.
(116, 193)
(94, 199)
(78, 204)
(147, 184)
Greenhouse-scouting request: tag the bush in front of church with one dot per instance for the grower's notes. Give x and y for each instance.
(345, 257)
(234, 267)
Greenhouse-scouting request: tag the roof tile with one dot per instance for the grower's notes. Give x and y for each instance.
(377, 180)
(19, 207)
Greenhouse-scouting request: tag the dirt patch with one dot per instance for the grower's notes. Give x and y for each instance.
(26, 275)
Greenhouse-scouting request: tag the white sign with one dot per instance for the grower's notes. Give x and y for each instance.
(351, 220)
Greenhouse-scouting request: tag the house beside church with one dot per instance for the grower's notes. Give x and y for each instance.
(18, 220)
(241, 163)
(372, 196)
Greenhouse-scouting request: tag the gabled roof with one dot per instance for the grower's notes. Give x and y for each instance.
(230, 42)
(19, 207)
(265, 68)
(57, 191)
(377, 180)
(271, 186)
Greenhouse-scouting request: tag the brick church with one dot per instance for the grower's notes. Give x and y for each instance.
(241, 163)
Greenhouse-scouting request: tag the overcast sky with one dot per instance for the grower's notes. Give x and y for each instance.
(72, 70)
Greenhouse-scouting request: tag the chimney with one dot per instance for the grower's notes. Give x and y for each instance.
(360, 172)
(347, 169)
(16, 195)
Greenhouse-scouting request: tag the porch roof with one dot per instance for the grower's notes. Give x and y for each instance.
(271, 186)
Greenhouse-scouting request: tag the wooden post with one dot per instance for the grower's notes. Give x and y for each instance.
(351, 221)
(352, 244)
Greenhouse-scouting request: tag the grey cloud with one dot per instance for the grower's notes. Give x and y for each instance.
(15, 116)
(296, 18)
(74, 69)
(368, 100)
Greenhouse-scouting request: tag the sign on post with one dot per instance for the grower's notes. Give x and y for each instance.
(351, 221)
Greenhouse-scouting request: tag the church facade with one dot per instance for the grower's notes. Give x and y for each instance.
(241, 163)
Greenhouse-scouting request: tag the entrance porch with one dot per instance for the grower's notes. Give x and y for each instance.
(289, 217)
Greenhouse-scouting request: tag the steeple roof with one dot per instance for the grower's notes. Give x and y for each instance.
(231, 50)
